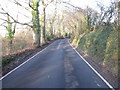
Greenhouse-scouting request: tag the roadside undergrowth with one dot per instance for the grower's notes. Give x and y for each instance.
(102, 44)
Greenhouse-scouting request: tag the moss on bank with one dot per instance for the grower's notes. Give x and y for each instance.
(102, 44)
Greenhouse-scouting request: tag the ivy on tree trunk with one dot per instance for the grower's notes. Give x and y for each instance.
(36, 22)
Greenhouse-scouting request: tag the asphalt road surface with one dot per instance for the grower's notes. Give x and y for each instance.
(57, 66)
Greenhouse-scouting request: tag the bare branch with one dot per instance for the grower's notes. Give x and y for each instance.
(19, 4)
(32, 7)
(15, 21)
(72, 5)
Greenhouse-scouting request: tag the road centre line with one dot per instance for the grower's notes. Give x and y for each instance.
(59, 45)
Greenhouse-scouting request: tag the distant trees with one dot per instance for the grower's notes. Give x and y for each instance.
(91, 18)
(74, 22)
(118, 14)
(52, 20)
(43, 20)
(95, 32)
(37, 21)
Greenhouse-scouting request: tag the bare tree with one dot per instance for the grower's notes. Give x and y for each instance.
(9, 26)
(43, 20)
(106, 14)
(34, 4)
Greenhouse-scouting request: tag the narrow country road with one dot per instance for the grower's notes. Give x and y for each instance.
(57, 66)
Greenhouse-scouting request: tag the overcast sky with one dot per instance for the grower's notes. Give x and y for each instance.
(90, 3)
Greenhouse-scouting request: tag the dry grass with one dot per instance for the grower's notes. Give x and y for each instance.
(22, 40)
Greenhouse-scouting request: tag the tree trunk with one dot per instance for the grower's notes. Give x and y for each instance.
(51, 30)
(36, 38)
(36, 24)
(10, 43)
(44, 27)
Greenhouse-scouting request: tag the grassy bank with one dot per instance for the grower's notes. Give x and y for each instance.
(102, 44)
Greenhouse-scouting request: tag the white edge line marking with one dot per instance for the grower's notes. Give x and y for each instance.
(59, 45)
(93, 68)
(24, 62)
